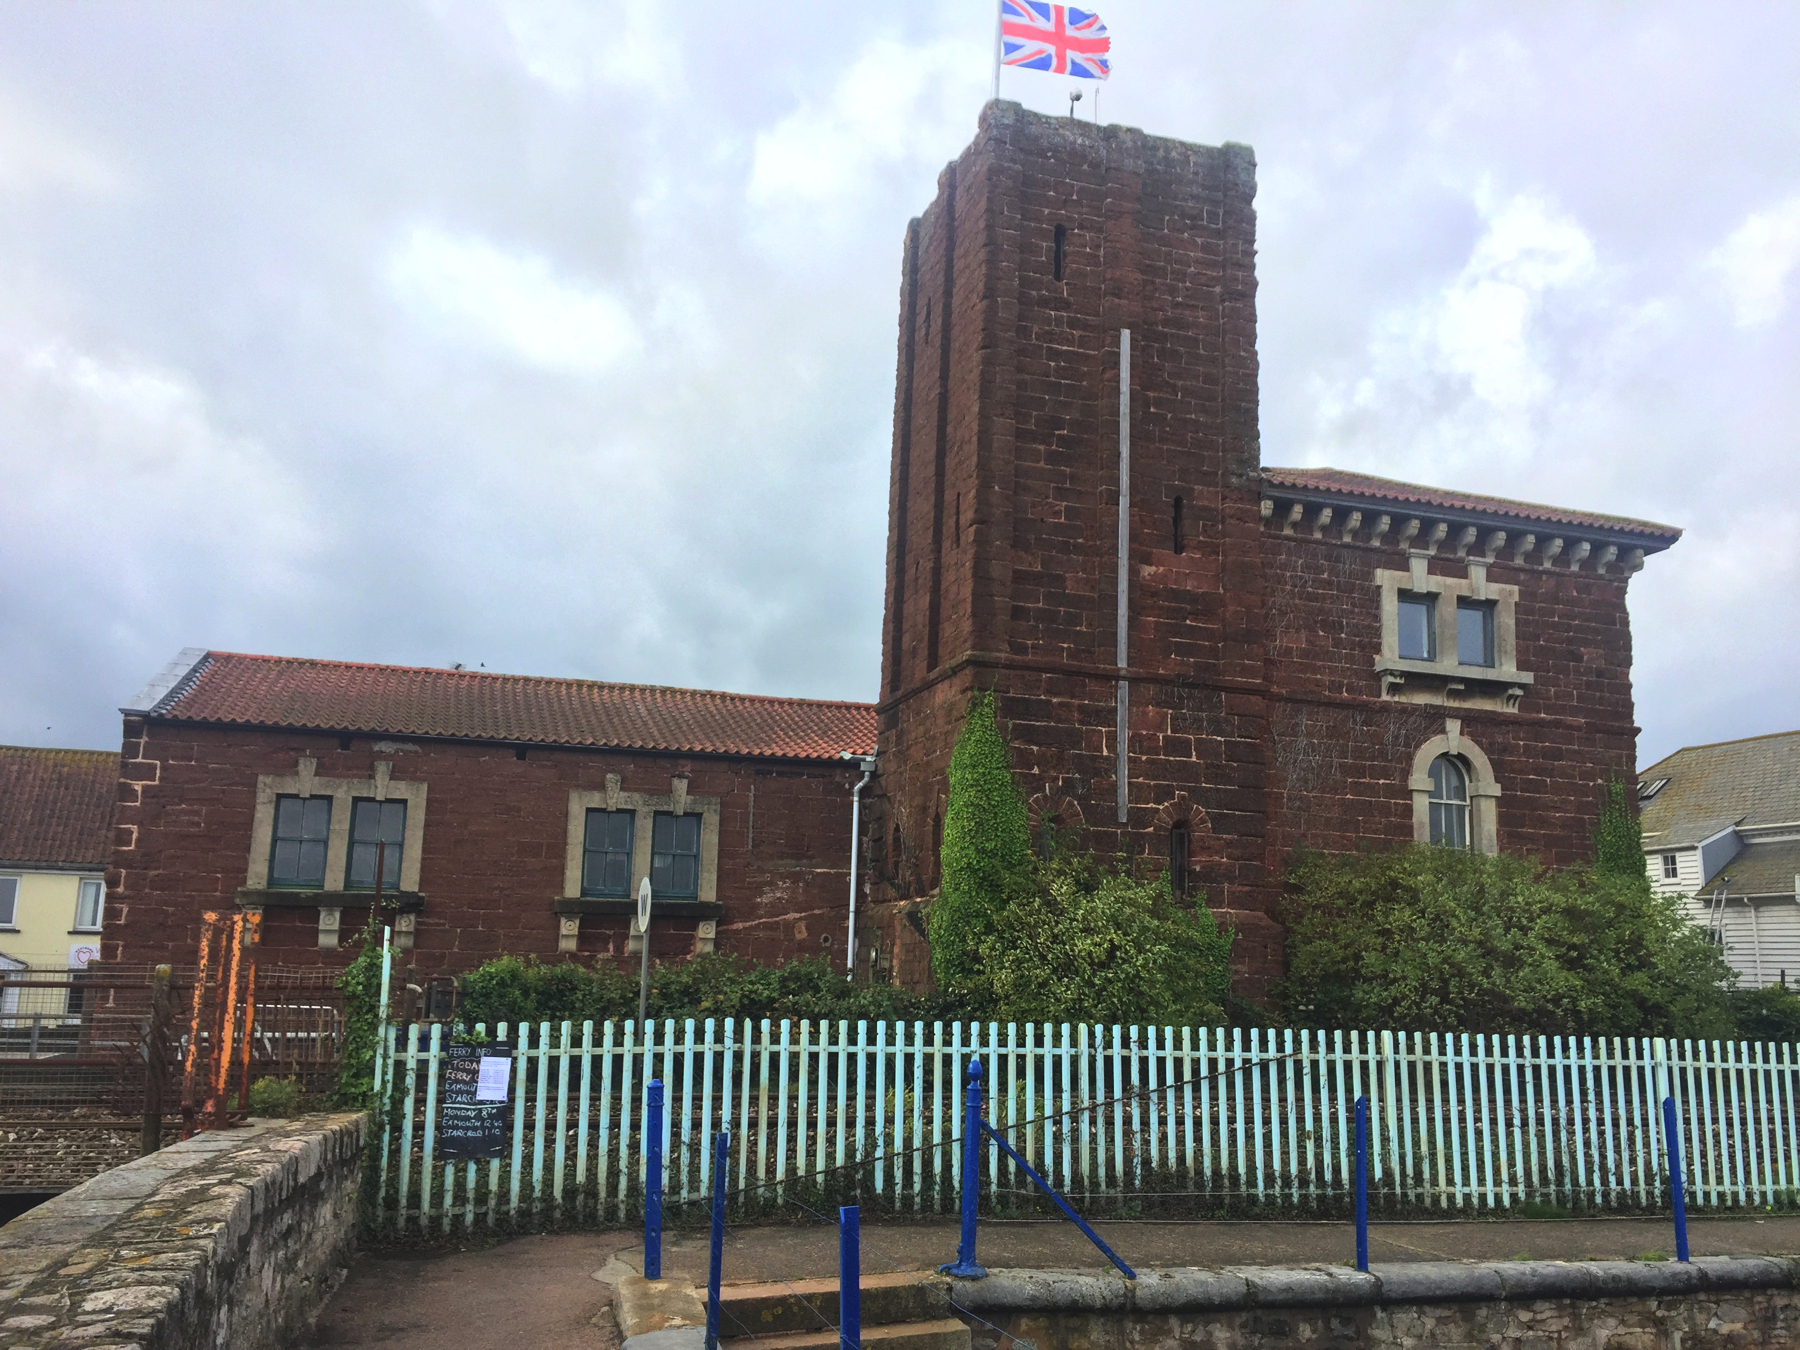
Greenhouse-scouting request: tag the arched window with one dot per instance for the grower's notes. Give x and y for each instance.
(1449, 802)
(1180, 530)
(1179, 851)
(1047, 828)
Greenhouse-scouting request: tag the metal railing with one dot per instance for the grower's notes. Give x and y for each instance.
(1129, 1119)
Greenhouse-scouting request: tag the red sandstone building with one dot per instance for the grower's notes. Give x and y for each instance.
(1246, 660)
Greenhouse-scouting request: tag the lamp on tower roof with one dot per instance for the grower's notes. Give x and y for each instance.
(1074, 98)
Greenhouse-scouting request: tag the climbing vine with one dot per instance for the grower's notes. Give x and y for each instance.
(361, 986)
(1619, 838)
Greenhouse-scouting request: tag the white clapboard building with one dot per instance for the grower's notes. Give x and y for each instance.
(1722, 831)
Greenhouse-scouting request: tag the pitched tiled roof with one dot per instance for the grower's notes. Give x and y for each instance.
(280, 691)
(1748, 782)
(56, 806)
(1770, 868)
(1338, 482)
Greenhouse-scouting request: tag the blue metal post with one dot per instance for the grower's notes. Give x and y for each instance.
(653, 1182)
(965, 1264)
(721, 1156)
(849, 1278)
(1673, 1137)
(1362, 1183)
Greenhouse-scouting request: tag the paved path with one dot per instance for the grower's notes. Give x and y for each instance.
(552, 1292)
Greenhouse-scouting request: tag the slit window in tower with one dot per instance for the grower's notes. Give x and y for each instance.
(1059, 251)
(1178, 859)
(1180, 543)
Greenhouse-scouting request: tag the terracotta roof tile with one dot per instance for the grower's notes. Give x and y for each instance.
(56, 806)
(1339, 481)
(279, 691)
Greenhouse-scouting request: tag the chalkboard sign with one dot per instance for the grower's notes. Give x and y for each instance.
(474, 1117)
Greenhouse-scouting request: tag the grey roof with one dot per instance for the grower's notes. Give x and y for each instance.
(1761, 869)
(1748, 782)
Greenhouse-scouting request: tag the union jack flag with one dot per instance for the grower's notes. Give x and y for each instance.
(1058, 38)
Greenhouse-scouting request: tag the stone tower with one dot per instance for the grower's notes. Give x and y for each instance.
(1047, 239)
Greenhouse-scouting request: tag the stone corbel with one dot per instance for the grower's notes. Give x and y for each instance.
(568, 933)
(1554, 547)
(331, 918)
(1605, 560)
(1464, 539)
(307, 768)
(1407, 532)
(1582, 549)
(1295, 511)
(1351, 526)
(1266, 508)
(1391, 683)
(1436, 537)
(1381, 528)
(1514, 694)
(678, 791)
(634, 942)
(1320, 521)
(1635, 562)
(1491, 547)
(612, 791)
(706, 935)
(1524, 546)
(406, 922)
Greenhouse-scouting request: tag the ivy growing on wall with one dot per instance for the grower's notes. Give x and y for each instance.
(986, 854)
(1619, 838)
(361, 986)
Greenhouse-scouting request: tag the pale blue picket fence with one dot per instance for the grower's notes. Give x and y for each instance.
(1218, 1119)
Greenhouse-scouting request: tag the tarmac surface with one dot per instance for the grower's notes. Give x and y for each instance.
(555, 1291)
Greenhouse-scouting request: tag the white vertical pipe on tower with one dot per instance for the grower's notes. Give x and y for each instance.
(1124, 610)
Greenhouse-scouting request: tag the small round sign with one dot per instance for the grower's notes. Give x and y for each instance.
(644, 905)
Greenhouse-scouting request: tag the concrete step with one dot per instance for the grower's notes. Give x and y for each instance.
(945, 1333)
(761, 1309)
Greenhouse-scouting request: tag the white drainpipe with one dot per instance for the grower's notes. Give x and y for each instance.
(868, 768)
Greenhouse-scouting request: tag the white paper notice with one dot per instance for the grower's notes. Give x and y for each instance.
(495, 1074)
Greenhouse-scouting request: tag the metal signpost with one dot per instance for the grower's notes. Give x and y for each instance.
(643, 918)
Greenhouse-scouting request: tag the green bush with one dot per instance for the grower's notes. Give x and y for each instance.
(276, 1098)
(1084, 943)
(1435, 939)
(361, 986)
(986, 852)
(1771, 1014)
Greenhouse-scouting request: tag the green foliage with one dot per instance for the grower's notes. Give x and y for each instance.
(1435, 939)
(986, 852)
(1619, 839)
(1087, 943)
(514, 988)
(1771, 1014)
(361, 985)
(275, 1098)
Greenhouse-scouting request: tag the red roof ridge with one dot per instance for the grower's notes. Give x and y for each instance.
(214, 653)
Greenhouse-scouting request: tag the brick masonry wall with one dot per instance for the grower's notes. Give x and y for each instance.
(1344, 755)
(493, 853)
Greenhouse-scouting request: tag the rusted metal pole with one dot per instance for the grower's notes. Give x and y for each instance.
(156, 1056)
(228, 1006)
(252, 940)
(210, 922)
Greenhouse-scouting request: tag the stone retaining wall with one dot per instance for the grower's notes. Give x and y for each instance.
(1531, 1305)
(232, 1239)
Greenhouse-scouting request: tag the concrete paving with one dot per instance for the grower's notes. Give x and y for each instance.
(556, 1290)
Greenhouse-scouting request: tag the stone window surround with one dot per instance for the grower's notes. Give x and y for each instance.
(1503, 683)
(343, 792)
(572, 904)
(1484, 792)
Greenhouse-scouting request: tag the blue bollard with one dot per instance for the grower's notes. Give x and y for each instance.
(721, 1156)
(1362, 1183)
(653, 1182)
(1672, 1137)
(965, 1264)
(849, 1278)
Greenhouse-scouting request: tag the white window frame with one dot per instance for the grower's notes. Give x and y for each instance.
(1484, 792)
(81, 890)
(10, 919)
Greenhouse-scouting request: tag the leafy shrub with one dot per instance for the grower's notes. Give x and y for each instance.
(1085, 943)
(1619, 838)
(987, 846)
(1771, 1014)
(1435, 939)
(276, 1098)
(361, 986)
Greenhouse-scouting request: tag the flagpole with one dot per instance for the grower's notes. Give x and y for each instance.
(997, 11)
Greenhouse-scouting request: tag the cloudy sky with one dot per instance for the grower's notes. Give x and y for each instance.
(559, 337)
